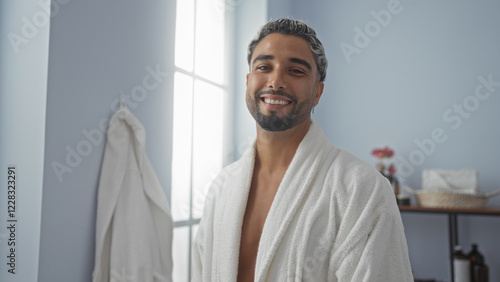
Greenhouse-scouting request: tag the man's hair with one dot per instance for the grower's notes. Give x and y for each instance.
(297, 28)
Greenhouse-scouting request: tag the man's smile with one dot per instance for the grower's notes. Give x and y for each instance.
(275, 102)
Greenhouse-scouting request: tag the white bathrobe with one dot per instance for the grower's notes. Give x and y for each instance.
(334, 218)
(134, 225)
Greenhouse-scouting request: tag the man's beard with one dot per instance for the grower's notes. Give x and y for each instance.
(272, 122)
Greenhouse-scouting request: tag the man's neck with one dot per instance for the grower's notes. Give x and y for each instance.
(275, 150)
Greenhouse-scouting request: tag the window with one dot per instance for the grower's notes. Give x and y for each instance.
(200, 94)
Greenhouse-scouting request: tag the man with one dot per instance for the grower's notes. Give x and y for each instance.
(294, 207)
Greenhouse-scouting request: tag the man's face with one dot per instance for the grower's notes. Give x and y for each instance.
(283, 84)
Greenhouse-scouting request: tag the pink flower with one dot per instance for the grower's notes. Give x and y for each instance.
(378, 153)
(389, 170)
(383, 153)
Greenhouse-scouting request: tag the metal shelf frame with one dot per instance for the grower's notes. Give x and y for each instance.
(452, 214)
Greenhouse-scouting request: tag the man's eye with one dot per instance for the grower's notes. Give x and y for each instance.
(297, 71)
(263, 68)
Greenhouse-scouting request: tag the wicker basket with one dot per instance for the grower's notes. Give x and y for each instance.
(439, 199)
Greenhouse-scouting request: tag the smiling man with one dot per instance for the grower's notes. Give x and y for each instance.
(295, 207)
(282, 86)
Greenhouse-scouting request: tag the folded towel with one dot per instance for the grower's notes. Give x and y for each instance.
(458, 181)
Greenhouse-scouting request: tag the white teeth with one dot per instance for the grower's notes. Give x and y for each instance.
(276, 102)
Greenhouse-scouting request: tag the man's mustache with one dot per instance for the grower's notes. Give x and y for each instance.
(274, 92)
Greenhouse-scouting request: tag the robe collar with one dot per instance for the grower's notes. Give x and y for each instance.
(296, 182)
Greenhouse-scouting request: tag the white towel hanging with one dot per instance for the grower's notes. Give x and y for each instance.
(134, 225)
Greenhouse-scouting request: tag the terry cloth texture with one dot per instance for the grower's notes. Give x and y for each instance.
(334, 218)
(134, 226)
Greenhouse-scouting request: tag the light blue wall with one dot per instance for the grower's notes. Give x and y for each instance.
(396, 89)
(98, 48)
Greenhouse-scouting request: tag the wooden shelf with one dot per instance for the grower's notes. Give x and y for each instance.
(480, 211)
(452, 214)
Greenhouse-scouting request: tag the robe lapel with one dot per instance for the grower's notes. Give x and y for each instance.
(291, 193)
(229, 217)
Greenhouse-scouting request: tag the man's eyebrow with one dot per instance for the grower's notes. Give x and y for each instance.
(300, 61)
(292, 60)
(263, 58)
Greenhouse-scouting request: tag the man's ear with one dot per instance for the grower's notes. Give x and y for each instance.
(318, 91)
(247, 78)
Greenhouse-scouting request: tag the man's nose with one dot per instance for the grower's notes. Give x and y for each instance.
(277, 80)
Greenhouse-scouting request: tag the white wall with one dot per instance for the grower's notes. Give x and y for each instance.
(98, 48)
(24, 40)
(405, 80)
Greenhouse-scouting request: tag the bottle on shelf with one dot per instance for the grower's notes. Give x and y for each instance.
(461, 266)
(478, 268)
(480, 273)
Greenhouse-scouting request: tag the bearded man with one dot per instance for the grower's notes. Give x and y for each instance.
(295, 207)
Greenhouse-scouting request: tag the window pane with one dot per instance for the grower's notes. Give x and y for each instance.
(180, 254)
(184, 35)
(207, 140)
(210, 53)
(181, 152)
